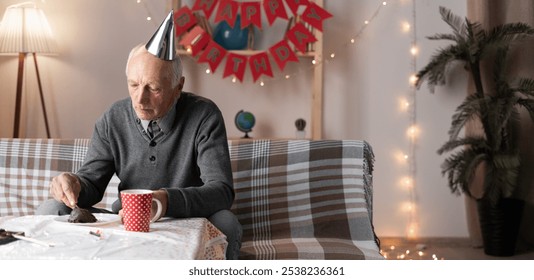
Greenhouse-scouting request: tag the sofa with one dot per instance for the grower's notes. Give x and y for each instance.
(296, 199)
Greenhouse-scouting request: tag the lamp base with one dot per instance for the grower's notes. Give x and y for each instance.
(18, 102)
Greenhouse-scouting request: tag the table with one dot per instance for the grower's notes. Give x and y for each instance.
(168, 239)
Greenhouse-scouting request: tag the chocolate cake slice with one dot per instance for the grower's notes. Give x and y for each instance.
(80, 215)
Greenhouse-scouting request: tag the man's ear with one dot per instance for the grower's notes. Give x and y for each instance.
(181, 84)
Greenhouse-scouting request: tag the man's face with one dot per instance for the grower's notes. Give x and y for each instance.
(150, 86)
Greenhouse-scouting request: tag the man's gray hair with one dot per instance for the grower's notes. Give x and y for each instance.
(177, 68)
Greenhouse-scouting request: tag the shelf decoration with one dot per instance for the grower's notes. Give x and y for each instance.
(245, 121)
(298, 37)
(231, 38)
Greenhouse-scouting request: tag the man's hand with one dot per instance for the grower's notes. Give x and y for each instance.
(66, 188)
(163, 197)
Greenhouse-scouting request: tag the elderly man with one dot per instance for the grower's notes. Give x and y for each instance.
(162, 139)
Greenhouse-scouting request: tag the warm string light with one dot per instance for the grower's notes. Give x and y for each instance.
(408, 105)
(317, 61)
(413, 130)
(149, 14)
(413, 252)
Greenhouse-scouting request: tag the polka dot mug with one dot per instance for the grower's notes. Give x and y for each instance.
(136, 209)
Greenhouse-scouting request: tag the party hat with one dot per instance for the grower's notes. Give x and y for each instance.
(162, 42)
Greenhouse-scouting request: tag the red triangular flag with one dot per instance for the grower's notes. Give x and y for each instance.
(314, 15)
(183, 20)
(207, 6)
(299, 35)
(259, 64)
(274, 9)
(227, 11)
(250, 14)
(282, 54)
(294, 4)
(213, 54)
(236, 65)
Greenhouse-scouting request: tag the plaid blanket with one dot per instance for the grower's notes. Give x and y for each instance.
(296, 199)
(28, 165)
(302, 199)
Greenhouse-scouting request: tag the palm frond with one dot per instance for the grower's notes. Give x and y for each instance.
(460, 169)
(473, 142)
(441, 36)
(455, 22)
(499, 70)
(506, 34)
(528, 104)
(501, 114)
(470, 108)
(476, 34)
(436, 70)
(505, 171)
(525, 86)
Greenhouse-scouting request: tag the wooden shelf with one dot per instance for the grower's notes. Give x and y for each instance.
(249, 52)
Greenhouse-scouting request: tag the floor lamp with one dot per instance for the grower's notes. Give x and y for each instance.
(25, 30)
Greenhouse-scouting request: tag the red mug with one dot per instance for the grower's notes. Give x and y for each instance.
(136, 209)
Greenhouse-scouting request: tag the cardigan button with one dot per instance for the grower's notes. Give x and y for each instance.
(152, 144)
(152, 158)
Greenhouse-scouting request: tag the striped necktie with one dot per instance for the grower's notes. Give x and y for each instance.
(152, 129)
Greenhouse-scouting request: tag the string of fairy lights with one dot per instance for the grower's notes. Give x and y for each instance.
(407, 105)
(413, 130)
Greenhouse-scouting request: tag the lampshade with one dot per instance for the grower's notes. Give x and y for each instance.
(25, 29)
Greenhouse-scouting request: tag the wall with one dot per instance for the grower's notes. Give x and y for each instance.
(362, 87)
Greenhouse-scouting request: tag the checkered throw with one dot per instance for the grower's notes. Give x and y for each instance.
(296, 199)
(301, 199)
(28, 165)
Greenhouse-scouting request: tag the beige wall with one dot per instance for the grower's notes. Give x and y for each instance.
(363, 85)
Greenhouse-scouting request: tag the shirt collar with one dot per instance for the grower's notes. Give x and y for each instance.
(165, 123)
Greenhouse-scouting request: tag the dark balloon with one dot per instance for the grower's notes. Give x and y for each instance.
(231, 38)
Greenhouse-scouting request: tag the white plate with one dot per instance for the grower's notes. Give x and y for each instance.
(101, 219)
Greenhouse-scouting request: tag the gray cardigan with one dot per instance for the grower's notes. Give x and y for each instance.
(191, 161)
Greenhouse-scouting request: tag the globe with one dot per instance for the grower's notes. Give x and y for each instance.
(244, 121)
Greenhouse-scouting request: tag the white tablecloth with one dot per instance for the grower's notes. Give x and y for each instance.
(194, 238)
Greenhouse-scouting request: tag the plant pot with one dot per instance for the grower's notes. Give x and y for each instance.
(500, 225)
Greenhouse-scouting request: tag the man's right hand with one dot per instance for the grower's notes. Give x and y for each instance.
(66, 188)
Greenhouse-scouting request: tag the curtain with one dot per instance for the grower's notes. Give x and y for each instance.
(490, 13)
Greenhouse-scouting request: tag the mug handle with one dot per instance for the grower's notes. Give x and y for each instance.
(158, 212)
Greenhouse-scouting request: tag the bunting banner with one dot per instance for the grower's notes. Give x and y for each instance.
(227, 11)
(306, 17)
(259, 64)
(183, 20)
(300, 36)
(294, 5)
(274, 9)
(235, 65)
(250, 14)
(213, 54)
(315, 15)
(282, 54)
(207, 6)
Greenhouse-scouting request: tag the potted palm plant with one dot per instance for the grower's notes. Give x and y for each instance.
(495, 105)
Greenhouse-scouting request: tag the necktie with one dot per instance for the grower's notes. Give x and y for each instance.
(152, 129)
